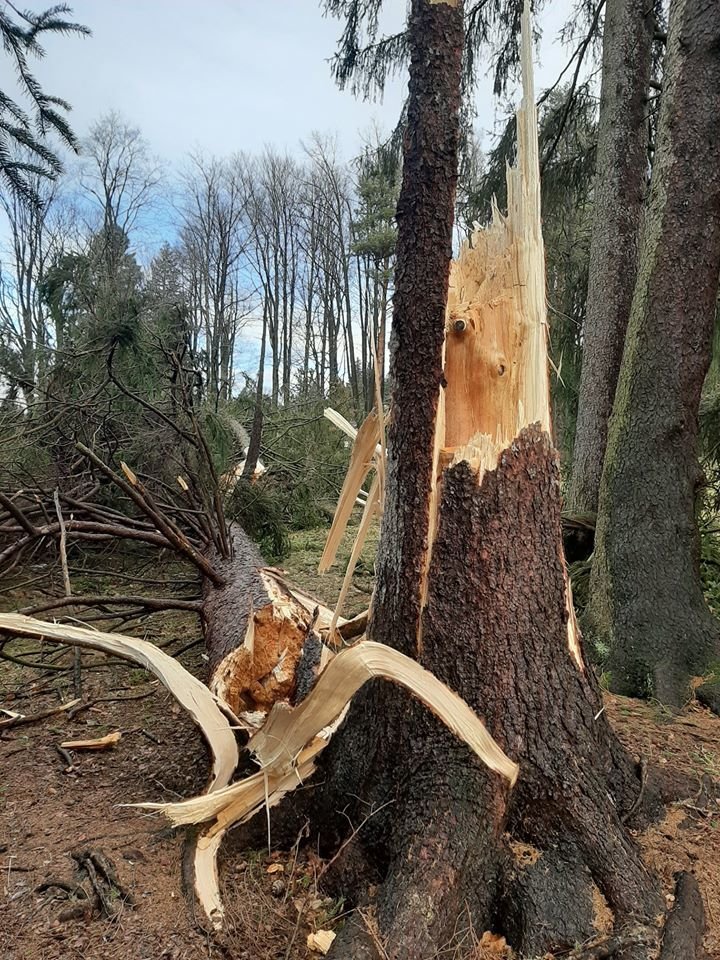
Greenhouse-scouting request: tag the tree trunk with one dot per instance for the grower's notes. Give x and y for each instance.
(471, 581)
(262, 634)
(619, 188)
(646, 600)
(437, 838)
(253, 450)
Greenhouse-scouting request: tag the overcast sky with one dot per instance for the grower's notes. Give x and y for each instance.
(221, 76)
(227, 75)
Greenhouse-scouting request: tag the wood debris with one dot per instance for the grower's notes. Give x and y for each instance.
(100, 743)
(320, 941)
(190, 692)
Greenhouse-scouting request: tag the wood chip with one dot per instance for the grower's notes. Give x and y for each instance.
(320, 941)
(102, 743)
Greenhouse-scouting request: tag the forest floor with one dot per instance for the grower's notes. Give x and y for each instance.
(48, 812)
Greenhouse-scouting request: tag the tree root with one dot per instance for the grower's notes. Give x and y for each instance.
(685, 925)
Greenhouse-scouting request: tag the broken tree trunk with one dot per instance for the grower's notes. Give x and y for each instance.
(472, 582)
(263, 635)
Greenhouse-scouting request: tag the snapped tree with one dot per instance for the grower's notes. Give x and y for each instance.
(470, 583)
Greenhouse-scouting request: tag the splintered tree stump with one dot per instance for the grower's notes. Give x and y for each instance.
(497, 593)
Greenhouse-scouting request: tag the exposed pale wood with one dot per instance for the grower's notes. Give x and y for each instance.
(362, 459)
(372, 509)
(77, 656)
(288, 730)
(320, 941)
(496, 363)
(261, 670)
(291, 738)
(100, 743)
(496, 359)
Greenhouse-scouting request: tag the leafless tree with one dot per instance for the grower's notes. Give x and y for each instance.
(118, 174)
(24, 323)
(214, 245)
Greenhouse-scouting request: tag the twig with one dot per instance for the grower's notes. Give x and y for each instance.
(188, 646)
(27, 663)
(33, 718)
(355, 831)
(77, 656)
(67, 759)
(99, 600)
(582, 49)
(72, 890)
(640, 936)
(91, 703)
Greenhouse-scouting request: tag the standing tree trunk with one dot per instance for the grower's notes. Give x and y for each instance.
(471, 581)
(619, 187)
(646, 600)
(253, 450)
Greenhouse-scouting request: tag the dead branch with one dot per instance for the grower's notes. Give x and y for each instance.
(18, 514)
(77, 656)
(35, 717)
(99, 743)
(66, 758)
(83, 530)
(99, 600)
(91, 703)
(174, 536)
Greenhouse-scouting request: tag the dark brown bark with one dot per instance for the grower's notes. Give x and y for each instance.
(646, 601)
(424, 249)
(618, 193)
(683, 935)
(495, 630)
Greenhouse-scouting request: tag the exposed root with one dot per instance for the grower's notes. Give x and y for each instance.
(685, 926)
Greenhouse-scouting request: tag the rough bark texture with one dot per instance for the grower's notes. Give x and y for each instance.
(685, 927)
(227, 610)
(646, 602)
(424, 250)
(619, 188)
(495, 630)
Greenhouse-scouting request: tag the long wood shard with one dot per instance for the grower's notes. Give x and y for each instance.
(292, 737)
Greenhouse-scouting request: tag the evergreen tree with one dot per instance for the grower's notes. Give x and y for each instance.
(25, 147)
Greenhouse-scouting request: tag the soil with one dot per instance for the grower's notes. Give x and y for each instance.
(273, 901)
